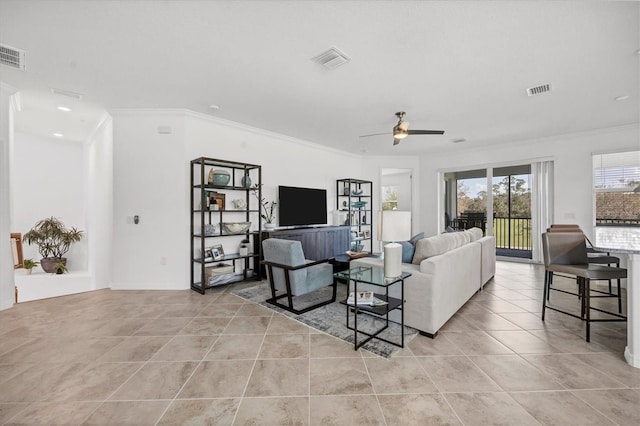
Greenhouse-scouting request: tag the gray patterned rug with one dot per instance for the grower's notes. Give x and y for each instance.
(331, 318)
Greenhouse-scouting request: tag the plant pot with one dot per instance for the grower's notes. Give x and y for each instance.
(28, 271)
(49, 264)
(269, 226)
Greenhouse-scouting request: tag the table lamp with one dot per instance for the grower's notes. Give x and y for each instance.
(394, 226)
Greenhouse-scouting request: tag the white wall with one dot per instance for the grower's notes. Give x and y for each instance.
(572, 168)
(151, 179)
(50, 180)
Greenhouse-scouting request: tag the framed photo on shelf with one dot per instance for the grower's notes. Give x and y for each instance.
(366, 233)
(217, 198)
(208, 254)
(217, 252)
(361, 234)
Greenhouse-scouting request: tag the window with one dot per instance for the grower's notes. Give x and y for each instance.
(389, 198)
(616, 182)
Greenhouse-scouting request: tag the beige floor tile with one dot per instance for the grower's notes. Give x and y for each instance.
(458, 322)
(620, 405)
(156, 380)
(8, 371)
(275, 377)
(275, 411)
(457, 374)
(250, 309)
(247, 325)
(490, 321)
(200, 412)
(285, 346)
(417, 409)
(217, 379)
(325, 346)
(139, 413)
(522, 342)
(121, 327)
(37, 382)
(185, 348)
(345, 410)
(531, 321)
(614, 366)
(135, 348)
(96, 382)
(398, 375)
(441, 345)
(533, 306)
(236, 346)
(489, 409)
(567, 341)
(54, 413)
(9, 410)
(571, 372)
(221, 309)
(281, 324)
(163, 327)
(181, 310)
(339, 376)
(229, 298)
(512, 373)
(559, 408)
(8, 343)
(507, 294)
(61, 349)
(477, 343)
(206, 326)
(501, 306)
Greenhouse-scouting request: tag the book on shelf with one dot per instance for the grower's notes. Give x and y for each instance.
(365, 298)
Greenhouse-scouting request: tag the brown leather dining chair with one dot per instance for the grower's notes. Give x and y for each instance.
(566, 253)
(596, 257)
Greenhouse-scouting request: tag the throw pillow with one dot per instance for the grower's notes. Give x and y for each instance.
(409, 247)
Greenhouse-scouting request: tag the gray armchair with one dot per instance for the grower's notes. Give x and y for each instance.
(290, 274)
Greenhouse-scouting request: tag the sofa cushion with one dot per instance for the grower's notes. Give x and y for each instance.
(474, 233)
(434, 246)
(409, 247)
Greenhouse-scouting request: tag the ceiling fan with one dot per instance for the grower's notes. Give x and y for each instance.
(401, 130)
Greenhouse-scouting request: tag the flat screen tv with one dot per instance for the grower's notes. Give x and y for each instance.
(301, 206)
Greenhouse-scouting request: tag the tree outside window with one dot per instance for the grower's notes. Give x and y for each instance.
(389, 198)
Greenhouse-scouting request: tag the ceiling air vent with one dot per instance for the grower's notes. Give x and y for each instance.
(12, 57)
(66, 93)
(331, 58)
(537, 90)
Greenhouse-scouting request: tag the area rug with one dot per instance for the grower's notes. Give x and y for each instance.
(331, 318)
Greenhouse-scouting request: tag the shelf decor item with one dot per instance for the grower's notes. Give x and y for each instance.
(246, 181)
(267, 208)
(28, 265)
(235, 227)
(219, 177)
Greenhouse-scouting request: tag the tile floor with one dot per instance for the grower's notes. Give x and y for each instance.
(177, 357)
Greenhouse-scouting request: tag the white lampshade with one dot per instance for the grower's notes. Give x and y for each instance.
(394, 226)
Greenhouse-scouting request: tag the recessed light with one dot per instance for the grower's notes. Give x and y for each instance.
(64, 108)
(621, 98)
(214, 107)
(58, 135)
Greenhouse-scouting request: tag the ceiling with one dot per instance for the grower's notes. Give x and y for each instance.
(462, 67)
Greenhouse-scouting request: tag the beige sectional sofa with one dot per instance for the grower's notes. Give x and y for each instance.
(447, 269)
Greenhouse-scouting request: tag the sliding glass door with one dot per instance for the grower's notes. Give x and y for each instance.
(512, 211)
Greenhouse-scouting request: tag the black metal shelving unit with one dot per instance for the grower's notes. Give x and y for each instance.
(351, 196)
(202, 215)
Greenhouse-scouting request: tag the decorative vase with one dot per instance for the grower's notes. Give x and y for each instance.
(219, 177)
(49, 264)
(246, 181)
(269, 225)
(28, 271)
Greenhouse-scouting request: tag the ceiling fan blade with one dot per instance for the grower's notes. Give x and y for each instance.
(404, 125)
(375, 134)
(425, 132)
(396, 141)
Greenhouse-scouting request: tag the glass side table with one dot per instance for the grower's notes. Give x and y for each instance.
(373, 276)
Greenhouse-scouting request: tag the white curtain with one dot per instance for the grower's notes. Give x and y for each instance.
(541, 204)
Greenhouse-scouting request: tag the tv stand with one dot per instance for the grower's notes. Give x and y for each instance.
(318, 242)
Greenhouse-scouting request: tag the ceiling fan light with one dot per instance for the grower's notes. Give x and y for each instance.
(400, 135)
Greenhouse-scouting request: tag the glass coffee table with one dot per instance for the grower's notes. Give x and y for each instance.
(373, 277)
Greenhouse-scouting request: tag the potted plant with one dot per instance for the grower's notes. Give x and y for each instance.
(267, 208)
(28, 265)
(53, 240)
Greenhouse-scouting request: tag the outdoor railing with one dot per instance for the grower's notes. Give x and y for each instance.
(617, 222)
(512, 233)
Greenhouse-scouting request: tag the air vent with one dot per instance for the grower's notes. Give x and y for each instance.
(12, 57)
(332, 58)
(537, 90)
(66, 93)
(458, 140)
